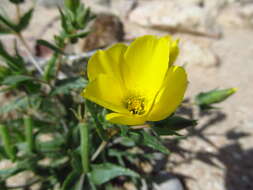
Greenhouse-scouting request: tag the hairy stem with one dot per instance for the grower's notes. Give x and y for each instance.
(85, 146)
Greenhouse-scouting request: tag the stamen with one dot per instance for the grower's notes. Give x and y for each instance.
(135, 105)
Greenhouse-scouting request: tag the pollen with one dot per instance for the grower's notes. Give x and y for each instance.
(135, 105)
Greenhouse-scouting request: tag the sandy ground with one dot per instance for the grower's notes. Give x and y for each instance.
(222, 161)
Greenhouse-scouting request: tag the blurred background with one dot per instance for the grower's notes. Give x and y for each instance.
(216, 47)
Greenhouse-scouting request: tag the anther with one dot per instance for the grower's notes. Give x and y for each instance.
(135, 105)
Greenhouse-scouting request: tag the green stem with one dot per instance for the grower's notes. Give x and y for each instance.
(6, 140)
(101, 132)
(85, 146)
(29, 133)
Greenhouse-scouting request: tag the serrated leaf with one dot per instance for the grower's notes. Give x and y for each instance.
(4, 30)
(102, 173)
(153, 142)
(206, 99)
(7, 22)
(66, 20)
(50, 46)
(24, 21)
(15, 79)
(143, 138)
(84, 15)
(15, 63)
(78, 35)
(65, 86)
(72, 4)
(170, 125)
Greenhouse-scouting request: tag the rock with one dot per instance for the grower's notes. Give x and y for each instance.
(195, 55)
(118, 7)
(122, 7)
(236, 15)
(166, 13)
(107, 29)
(171, 184)
(98, 6)
(173, 14)
(247, 13)
(51, 3)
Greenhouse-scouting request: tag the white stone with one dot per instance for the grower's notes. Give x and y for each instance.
(171, 184)
(51, 3)
(122, 7)
(171, 14)
(231, 16)
(247, 14)
(193, 54)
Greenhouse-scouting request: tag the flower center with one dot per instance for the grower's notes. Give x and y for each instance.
(135, 105)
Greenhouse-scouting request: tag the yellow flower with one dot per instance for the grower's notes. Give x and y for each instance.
(137, 82)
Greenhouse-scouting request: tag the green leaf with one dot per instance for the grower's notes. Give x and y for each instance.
(84, 16)
(153, 142)
(70, 181)
(6, 140)
(72, 5)
(20, 103)
(171, 124)
(76, 160)
(17, 1)
(102, 173)
(66, 21)
(50, 68)
(50, 146)
(4, 72)
(7, 22)
(15, 79)
(4, 30)
(20, 166)
(15, 63)
(78, 35)
(94, 111)
(65, 86)
(206, 99)
(143, 138)
(50, 46)
(126, 141)
(6, 173)
(24, 21)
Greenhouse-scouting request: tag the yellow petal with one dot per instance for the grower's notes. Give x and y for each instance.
(107, 92)
(146, 62)
(124, 119)
(170, 95)
(106, 61)
(174, 51)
